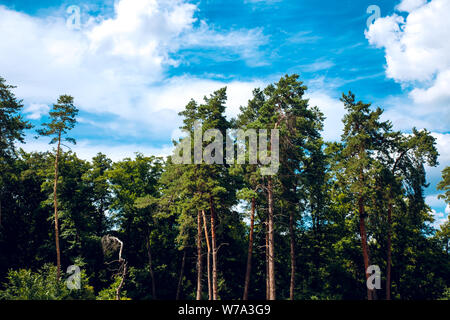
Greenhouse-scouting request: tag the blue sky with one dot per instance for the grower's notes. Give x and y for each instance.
(133, 64)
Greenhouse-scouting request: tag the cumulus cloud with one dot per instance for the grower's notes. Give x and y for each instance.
(334, 111)
(86, 150)
(415, 46)
(117, 65)
(410, 5)
(35, 111)
(418, 57)
(176, 92)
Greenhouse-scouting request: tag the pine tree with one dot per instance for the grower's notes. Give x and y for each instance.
(207, 186)
(361, 138)
(399, 154)
(62, 117)
(444, 185)
(281, 106)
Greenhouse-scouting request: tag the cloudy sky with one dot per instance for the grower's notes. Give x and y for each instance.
(132, 65)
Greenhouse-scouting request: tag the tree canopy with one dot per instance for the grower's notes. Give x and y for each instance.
(309, 225)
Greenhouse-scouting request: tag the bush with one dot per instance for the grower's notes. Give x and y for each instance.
(25, 284)
(110, 293)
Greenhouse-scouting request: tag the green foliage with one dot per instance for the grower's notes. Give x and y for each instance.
(110, 292)
(63, 118)
(151, 204)
(12, 123)
(25, 284)
(444, 185)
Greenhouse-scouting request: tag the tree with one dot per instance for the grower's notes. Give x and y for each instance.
(135, 186)
(261, 113)
(12, 127)
(281, 106)
(251, 187)
(215, 183)
(361, 138)
(444, 185)
(175, 200)
(12, 124)
(63, 119)
(24, 236)
(249, 195)
(99, 196)
(303, 232)
(209, 184)
(400, 154)
(111, 244)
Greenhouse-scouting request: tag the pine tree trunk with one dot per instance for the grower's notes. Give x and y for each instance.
(292, 236)
(272, 294)
(208, 264)
(150, 267)
(55, 203)
(180, 279)
(389, 252)
(363, 234)
(214, 249)
(199, 256)
(250, 251)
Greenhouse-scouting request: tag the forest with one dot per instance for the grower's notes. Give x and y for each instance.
(147, 228)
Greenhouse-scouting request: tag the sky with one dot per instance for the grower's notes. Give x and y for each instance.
(132, 65)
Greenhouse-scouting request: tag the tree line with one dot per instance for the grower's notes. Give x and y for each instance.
(149, 228)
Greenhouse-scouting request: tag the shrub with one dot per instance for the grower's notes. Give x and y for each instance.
(25, 284)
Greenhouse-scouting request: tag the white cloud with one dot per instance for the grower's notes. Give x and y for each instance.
(177, 92)
(303, 37)
(318, 66)
(143, 29)
(415, 47)
(334, 111)
(406, 113)
(87, 150)
(447, 209)
(261, 1)
(410, 5)
(439, 218)
(118, 65)
(434, 94)
(434, 201)
(35, 111)
(418, 56)
(443, 146)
